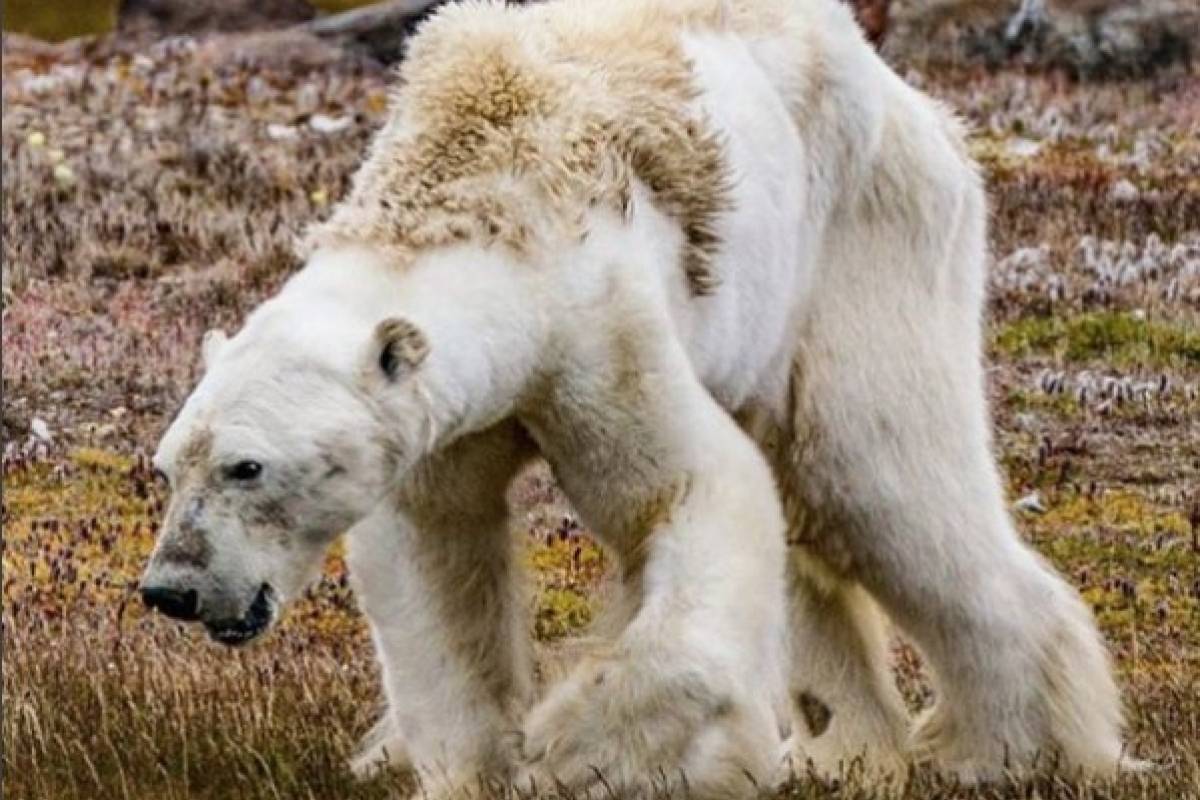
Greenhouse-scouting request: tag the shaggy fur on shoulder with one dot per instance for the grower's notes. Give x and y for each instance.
(509, 133)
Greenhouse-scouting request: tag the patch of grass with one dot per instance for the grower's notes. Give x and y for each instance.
(1063, 405)
(1119, 339)
(95, 709)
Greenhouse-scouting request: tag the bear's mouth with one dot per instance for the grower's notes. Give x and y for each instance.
(235, 632)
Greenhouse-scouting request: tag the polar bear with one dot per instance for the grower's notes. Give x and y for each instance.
(724, 270)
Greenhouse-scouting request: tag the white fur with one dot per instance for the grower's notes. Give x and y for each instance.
(844, 335)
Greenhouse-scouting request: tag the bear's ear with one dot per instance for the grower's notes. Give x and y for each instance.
(211, 346)
(401, 347)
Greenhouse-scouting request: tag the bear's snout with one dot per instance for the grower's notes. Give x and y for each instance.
(183, 605)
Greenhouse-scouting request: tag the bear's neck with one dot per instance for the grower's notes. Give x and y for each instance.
(478, 312)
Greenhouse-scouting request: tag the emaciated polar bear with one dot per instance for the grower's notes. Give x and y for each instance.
(699, 255)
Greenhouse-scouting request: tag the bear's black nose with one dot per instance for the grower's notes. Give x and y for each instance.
(172, 602)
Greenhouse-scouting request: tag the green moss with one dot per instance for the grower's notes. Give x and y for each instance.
(1118, 338)
(561, 612)
(567, 573)
(1133, 561)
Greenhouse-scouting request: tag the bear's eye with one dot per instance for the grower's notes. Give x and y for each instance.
(244, 471)
(162, 478)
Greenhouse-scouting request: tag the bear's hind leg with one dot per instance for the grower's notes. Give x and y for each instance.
(895, 451)
(891, 443)
(848, 709)
(1020, 669)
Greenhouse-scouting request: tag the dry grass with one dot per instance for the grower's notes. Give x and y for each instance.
(176, 212)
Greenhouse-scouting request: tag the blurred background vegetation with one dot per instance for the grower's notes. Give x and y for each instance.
(59, 19)
(56, 20)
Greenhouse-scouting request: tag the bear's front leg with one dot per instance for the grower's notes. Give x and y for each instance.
(434, 570)
(692, 692)
(652, 716)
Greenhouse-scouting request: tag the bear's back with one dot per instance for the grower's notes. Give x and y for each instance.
(509, 123)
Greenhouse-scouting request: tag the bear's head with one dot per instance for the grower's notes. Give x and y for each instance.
(290, 437)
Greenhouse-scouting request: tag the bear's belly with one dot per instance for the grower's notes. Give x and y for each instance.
(737, 336)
